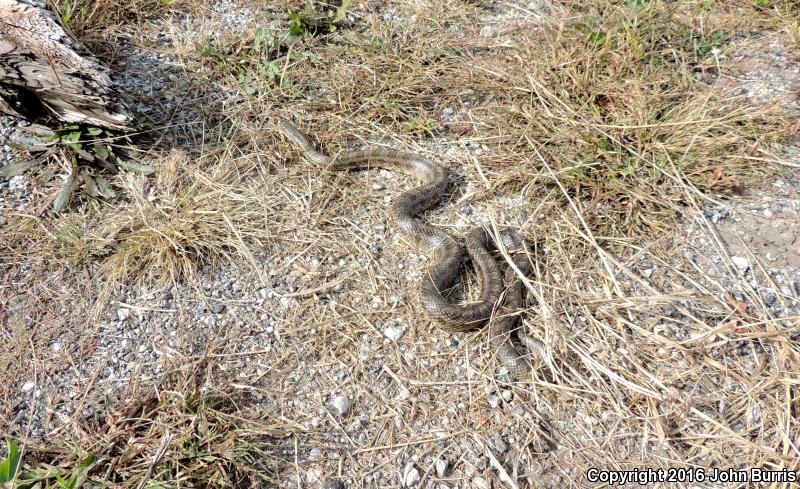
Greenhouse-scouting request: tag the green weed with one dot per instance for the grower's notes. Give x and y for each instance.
(74, 15)
(10, 466)
(92, 155)
(13, 474)
(186, 438)
(313, 21)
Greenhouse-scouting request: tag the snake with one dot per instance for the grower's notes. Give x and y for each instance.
(447, 252)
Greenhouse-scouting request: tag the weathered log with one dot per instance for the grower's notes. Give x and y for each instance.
(44, 71)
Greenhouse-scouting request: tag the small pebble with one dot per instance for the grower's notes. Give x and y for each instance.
(315, 454)
(394, 333)
(410, 476)
(441, 468)
(332, 485)
(28, 386)
(341, 405)
(364, 351)
(507, 395)
(217, 308)
(497, 442)
(743, 264)
(123, 313)
(313, 475)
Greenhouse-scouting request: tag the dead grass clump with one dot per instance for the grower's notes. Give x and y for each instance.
(93, 21)
(182, 430)
(192, 213)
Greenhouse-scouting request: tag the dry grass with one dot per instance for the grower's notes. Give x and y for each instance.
(193, 213)
(606, 125)
(97, 22)
(179, 430)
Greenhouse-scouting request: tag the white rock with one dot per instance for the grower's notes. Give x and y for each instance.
(741, 263)
(507, 395)
(441, 467)
(394, 333)
(341, 405)
(315, 454)
(497, 442)
(28, 386)
(313, 475)
(364, 351)
(123, 313)
(402, 394)
(335, 484)
(410, 476)
(480, 483)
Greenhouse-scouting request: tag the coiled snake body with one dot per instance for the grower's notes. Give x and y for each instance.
(447, 252)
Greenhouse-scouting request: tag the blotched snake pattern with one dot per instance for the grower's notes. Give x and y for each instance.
(447, 252)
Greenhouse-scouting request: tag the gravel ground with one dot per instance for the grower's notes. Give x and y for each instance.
(275, 326)
(760, 229)
(15, 188)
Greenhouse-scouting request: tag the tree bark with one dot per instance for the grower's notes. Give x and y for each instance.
(45, 72)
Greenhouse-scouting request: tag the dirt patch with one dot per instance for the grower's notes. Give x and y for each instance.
(765, 68)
